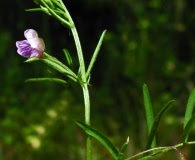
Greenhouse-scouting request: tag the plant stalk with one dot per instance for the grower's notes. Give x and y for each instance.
(160, 150)
(83, 77)
(87, 118)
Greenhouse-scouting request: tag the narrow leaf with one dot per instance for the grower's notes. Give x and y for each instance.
(58, 5)
(123, 149)
(156, 124)
(188, 128)
(93, 59)
(149, 112)
(68, 57)
(55, 64)
(60, 69)
(189, 107)
(63, 20)
(55, 60)
(98, 136)
(57, 80)
(34, 10)
(38, 2)
(31, 60)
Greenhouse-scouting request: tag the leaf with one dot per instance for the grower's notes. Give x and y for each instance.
(55, 64)
(68, 57)
(38, 2)
(93, 59)
(64, 20)
(98, 136)
(57, 80)
(34, 10)
(58, 5)
(32, 59)
(149, 112)
(156, 124)
(123, 149)
(62, 69)
(55, 60)
(188, 128)
(189, 107)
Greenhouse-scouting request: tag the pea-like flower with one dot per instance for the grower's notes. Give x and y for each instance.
(33, 46)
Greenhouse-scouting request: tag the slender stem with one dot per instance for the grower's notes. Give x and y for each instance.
(77, 43)
(83, 79)
(161, 150)
(87, 118)
(87, 103)
(80, 54)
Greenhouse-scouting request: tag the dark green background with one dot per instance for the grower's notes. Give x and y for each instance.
(150, 42)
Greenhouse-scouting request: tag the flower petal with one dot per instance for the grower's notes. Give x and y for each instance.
(24, 48)
(36, 53)
(30, 33)
(37, 43)
(32, 47)
(23, 43)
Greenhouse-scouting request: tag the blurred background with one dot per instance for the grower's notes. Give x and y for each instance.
(151, 42)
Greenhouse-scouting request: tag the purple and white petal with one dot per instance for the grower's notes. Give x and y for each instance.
(37, 43)
(30, 33)
(36, 53)
(32, 47)
(24, 48)
(22, 43)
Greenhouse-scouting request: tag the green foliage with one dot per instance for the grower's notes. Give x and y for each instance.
(102, 139)
(189, 107)
(156, 124)
(146, 42)
(55, 64)
(123, 149)
(189, 118)
(93, 59)
(149, 116)
(55, 80)
(188, 128)
(68, 57)
(152, 123)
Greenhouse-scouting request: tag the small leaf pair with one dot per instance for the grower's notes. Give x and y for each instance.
(152, 123)
(55, 64)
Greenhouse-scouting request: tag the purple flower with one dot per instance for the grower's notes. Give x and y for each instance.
(33, 46)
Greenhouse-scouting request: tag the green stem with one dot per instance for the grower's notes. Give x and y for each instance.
(83, 78)
(161, 150)
(87, 117)
(77, 43)
(87, 103)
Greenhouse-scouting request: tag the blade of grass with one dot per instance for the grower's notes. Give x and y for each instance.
(189, 107)
(188, 115)
(156, 123)
(95, 54)
(188, 128)
(98, 136)
(149, 112)
(68, 57)
(57, 80)
(123, 149)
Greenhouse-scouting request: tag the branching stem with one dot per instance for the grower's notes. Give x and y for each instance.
(83, 78)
